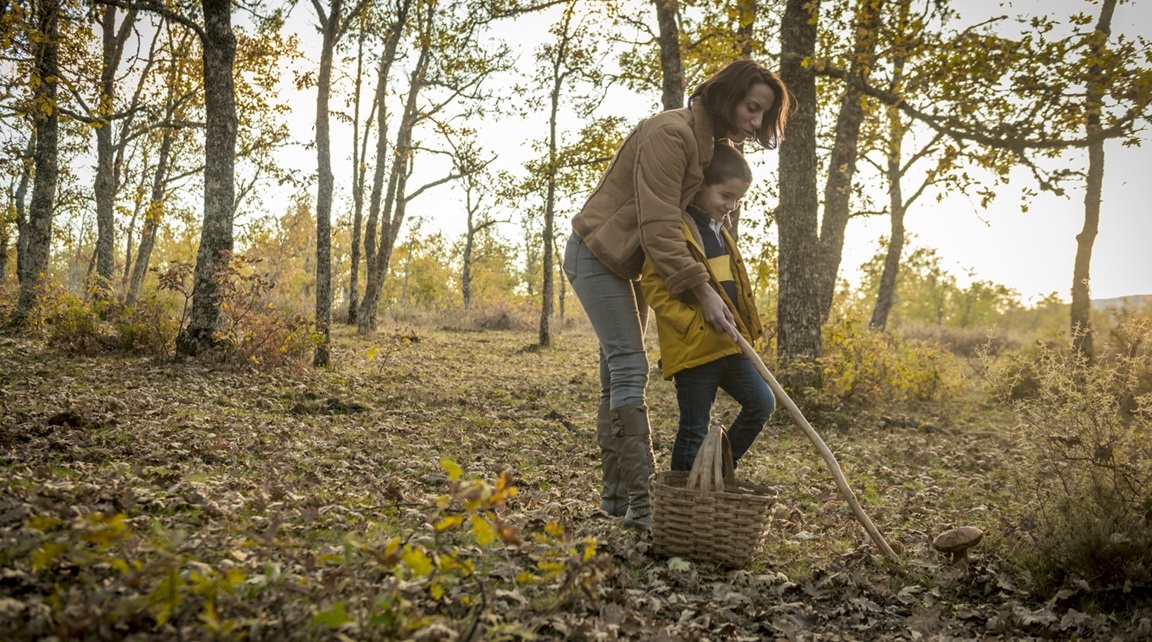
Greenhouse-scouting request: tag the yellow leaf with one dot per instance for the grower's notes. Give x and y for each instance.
(483, 531)
(417, 561)
(454, 470)
(451, 521)
(554, 529)
(552, 568)
(233, 577)
(44, 556)
(436, 591)
(372, 352)
(524, 577)
(42, 523)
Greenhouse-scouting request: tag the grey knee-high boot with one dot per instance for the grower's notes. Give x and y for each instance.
(614, 495)
(634, 450)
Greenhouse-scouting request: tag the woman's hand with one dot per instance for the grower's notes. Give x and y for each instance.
(716, 313)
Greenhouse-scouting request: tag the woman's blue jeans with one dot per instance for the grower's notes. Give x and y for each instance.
(695, 394)
(618, 314)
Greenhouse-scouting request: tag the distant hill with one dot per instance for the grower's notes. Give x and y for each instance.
(1133, 301)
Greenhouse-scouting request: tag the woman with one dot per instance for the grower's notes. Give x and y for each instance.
(636, 210)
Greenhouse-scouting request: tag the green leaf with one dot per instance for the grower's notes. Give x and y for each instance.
(333, 617)
(166, 596)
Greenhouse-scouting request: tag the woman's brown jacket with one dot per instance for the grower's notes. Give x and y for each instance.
(638, 207)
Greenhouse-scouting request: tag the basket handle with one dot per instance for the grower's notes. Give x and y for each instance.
(714, 467)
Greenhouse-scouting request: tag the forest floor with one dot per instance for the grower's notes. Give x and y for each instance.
(187, 500)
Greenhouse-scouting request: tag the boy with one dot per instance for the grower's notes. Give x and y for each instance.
(699, 358)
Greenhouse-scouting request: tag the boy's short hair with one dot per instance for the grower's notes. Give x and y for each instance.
(727, 162)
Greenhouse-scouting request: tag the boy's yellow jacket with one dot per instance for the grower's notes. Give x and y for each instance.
(686, 339)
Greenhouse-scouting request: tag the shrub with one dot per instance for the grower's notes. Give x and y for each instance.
(96, 575)
(9, 294)
(505, 315)
(254, 332)
(149, 327)
(862, 365)
(74, 325)
(1092, 428)
(963, 342)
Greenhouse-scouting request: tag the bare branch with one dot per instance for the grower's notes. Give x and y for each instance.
(451, 177)
(161, 10)
(966, 131)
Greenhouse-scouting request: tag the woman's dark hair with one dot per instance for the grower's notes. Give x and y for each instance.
(727, 162)
(726, 88)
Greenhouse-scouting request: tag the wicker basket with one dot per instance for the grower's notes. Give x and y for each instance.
(706, 515)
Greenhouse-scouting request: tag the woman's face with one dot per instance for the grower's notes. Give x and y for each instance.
(749, 112)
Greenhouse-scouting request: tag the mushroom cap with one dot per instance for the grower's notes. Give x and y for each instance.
(958, 539)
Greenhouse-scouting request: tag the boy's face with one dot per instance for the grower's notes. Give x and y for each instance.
(720, 199)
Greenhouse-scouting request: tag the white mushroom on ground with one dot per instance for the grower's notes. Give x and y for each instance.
(957, 541)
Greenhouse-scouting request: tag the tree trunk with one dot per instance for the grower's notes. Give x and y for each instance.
(842, 162)
(20, 208)
(152, 217)
(381, 164)
(105, 187)
(798, 310)
(1094, 99)
(391, 221)
(671, 66)
(550, 197)
(358, 175)
(129, 242)
(375, 199)
(466, 269)
(563, 295)
(744, 34)
(5, 237)
(219, 178)
(331, 26)
(898, 207)
(45, 172)
(886, 296)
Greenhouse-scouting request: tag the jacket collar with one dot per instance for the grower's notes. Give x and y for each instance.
(698, 215)
(693, 236)
(702, 127)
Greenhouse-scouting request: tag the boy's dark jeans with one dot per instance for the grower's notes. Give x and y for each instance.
(695, 393)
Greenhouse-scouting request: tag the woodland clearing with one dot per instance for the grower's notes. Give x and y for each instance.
(146, 500)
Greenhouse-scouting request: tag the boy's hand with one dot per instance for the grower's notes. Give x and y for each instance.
(716, 313)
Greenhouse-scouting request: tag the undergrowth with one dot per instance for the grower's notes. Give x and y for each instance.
(863, 366)
(1092, 426)
(115, 574)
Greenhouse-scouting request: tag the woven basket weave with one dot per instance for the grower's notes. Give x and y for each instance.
(706, 515)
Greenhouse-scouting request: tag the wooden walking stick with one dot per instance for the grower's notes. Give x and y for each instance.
(829, 458)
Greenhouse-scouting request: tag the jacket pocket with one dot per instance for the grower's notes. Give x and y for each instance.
(685, 321)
